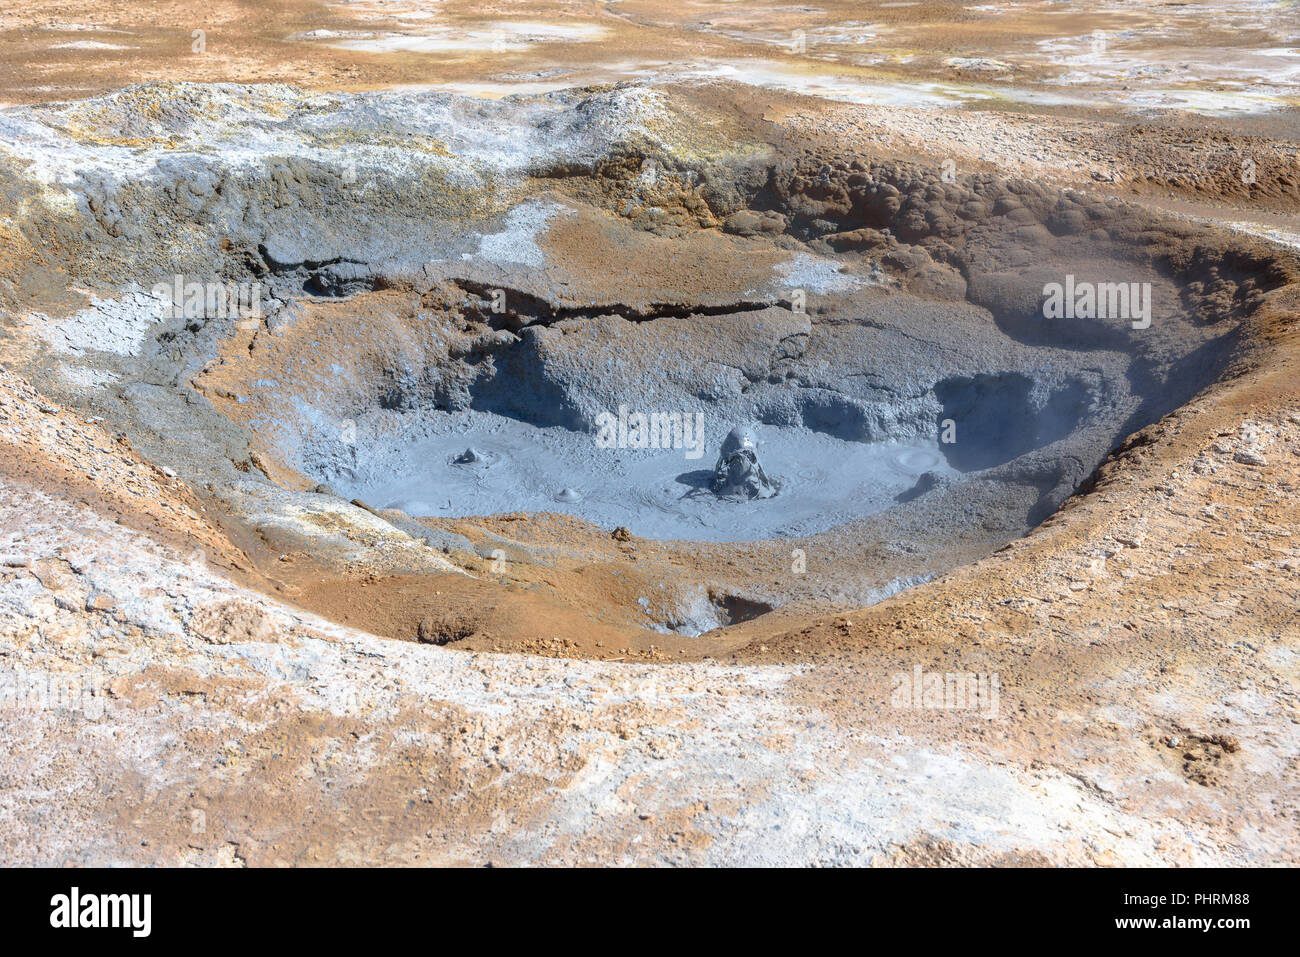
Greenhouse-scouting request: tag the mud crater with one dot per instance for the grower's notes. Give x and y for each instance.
(591, 335)
(902, 396)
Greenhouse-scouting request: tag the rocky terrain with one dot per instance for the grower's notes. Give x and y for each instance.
(311, 551)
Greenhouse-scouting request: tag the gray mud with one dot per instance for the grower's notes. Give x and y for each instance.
(881, 400)
(854, 312)
(824, 481)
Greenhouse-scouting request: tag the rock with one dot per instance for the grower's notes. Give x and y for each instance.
(1229, 743)
(233, 620)
(856, 240)
(99, 601)
(260, 462)
(622, 534)
(747, 222)
(442, 630)
(279, 319)
(1248, 457)
(907, 258)
(743, 223)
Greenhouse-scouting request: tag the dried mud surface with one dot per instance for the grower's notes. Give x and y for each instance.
(209, 658)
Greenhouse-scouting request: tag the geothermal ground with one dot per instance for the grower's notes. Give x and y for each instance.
(649, 433)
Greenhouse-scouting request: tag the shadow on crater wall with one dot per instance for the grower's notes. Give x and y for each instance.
(999, 417)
